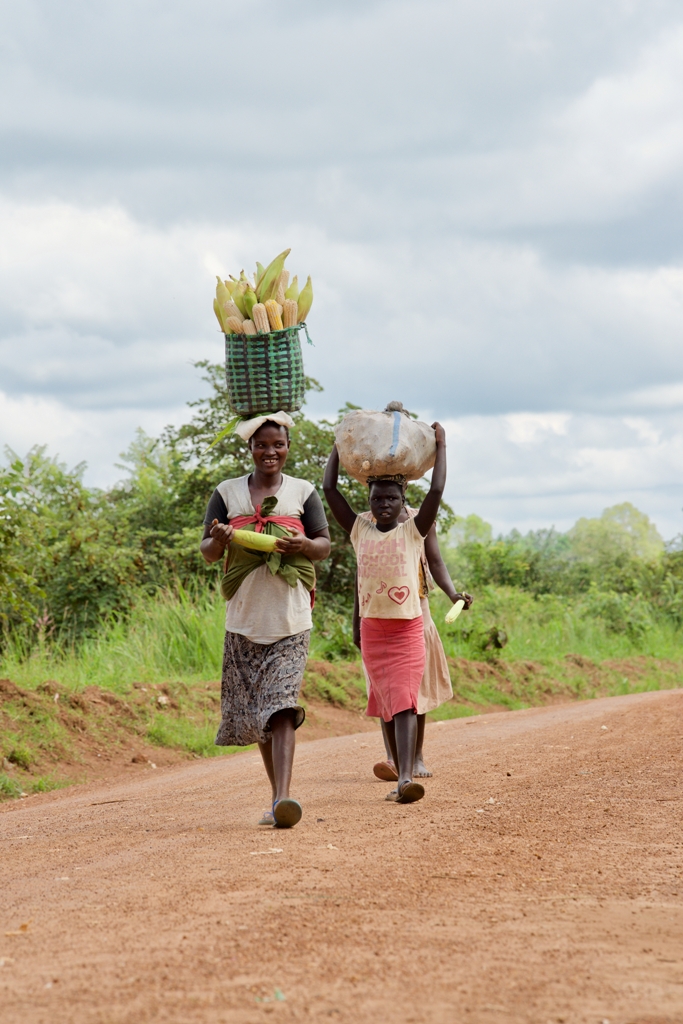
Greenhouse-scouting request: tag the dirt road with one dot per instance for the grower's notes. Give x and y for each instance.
(540, 880)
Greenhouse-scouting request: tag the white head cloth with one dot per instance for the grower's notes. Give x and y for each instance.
(246, 428)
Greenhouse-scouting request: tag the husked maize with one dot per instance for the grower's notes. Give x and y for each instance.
(232, 310)
(455, 611)
(282, 287)
(234, 325)
(290, 313)
(274, 311)
(248, 327)
(256, 541)
(260, 318)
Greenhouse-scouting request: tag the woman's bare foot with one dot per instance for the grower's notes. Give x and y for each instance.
(420, 770)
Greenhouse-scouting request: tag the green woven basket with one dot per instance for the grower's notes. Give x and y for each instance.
(265, 372)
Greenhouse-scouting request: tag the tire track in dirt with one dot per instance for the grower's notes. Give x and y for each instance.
(541, 879)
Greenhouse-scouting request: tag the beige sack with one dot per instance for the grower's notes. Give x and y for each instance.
(384, 443)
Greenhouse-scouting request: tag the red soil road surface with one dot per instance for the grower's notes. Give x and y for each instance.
(540, 880)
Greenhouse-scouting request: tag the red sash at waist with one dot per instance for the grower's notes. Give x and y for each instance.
(288, 522)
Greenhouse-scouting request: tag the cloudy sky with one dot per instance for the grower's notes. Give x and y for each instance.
(487, 194)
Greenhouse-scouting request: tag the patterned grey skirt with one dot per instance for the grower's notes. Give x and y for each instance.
(257, 681)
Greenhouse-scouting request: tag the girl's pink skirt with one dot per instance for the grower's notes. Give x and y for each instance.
(394, 656)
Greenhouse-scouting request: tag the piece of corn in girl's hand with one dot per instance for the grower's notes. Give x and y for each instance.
(455, 611)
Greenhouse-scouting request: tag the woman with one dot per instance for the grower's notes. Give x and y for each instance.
(388, 553)
(269, 601)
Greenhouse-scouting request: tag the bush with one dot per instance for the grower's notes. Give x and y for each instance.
(21, 757)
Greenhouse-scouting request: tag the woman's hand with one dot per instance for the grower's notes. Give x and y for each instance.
(467, 598)
(221, 533)
(295, 545)
(316, 547)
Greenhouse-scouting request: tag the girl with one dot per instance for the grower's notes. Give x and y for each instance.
(268, 616)
(392, 627)
(435, 687)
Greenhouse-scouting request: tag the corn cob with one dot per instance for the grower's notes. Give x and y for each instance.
(290, 315)
(257, 541)
(222, 293)
(274, 311)
(267, 286)
(234, 325)
(250, 300)
(281, 287)
(219, 315)
(260, 318)
(232, 310)
(455, 611)
(238, 297)
(305, 300)
(248, 327)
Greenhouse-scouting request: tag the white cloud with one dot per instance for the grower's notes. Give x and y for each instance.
(588, 464)
(96, 437)
(430, 163)
(532, 428)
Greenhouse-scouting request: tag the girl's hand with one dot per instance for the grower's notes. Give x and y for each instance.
(440, 434)
(467, 598)
(221, 532)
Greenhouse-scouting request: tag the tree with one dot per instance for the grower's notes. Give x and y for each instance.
(312, 443)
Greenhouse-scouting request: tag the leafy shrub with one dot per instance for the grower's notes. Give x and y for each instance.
(8, 787)
(620, 613)
(21, 756)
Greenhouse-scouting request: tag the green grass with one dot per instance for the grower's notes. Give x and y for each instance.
(170, 636)
(170, 648)
(180, 637)
(550, 627)
(9, 787)
(183, 734)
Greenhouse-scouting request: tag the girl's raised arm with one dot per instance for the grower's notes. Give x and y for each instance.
(426, 517)
(341, 510)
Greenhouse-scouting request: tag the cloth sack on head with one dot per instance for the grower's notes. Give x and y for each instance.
(246, 428)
